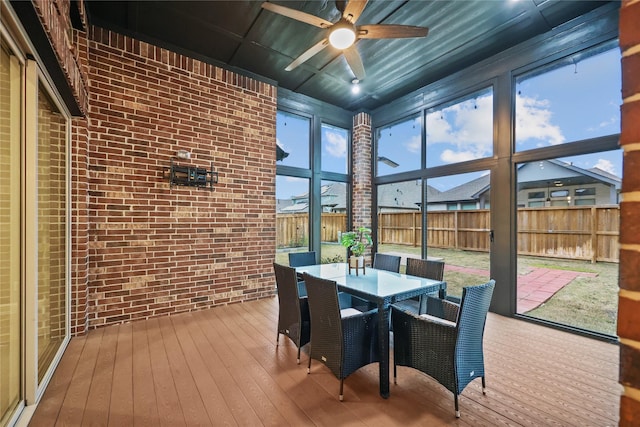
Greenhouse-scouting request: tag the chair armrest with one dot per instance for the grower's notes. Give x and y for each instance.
(409, 327)
(442, 308)
(435, 319)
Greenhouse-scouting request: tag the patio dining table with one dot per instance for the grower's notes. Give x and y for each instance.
(382, 288)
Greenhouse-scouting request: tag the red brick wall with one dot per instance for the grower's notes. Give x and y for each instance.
(156, 250)
(55, 18)
(629, 300)
(362, 140)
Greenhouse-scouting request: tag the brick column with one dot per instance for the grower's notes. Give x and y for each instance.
(629, 298)
(361, 214)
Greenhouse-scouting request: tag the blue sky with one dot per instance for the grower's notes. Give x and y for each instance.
(577, 101)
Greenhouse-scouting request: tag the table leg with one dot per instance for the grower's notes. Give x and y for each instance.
(383, 347)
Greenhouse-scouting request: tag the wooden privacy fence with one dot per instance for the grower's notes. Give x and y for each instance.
(580, 232)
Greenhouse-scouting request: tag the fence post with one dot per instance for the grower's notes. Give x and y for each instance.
(594, 235)
(455, 228)
(414, 230)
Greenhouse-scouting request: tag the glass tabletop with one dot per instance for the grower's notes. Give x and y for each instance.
(379, 283)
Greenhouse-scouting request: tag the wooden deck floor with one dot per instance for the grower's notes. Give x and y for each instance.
(221, 367)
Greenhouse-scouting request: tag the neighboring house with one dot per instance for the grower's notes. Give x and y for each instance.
(556, 183)
(333, 200)
(474, 194)
(402, 196)
(544, 183)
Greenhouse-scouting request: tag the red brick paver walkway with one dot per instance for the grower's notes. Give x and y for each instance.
(535, 287)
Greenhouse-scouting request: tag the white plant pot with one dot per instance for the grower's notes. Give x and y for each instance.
(356, 262)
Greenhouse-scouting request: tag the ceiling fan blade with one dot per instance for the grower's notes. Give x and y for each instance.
(297, 15)
(355, 62)
(354, 9)
(308, 54)
(382, 31)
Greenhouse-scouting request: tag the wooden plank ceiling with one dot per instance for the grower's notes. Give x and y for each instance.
(243, 35)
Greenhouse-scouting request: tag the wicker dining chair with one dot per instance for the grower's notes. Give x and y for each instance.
(386, 262)
(344, 340)
(429, 269)
(293, 312)
(445, 343)
(297, 259)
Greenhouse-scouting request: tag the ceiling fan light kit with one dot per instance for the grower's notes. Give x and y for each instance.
(355, 86)
(344, 33)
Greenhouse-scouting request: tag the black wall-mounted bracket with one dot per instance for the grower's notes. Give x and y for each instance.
(191, 176)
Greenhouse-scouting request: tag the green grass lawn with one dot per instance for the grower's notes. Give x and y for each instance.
(587, 302)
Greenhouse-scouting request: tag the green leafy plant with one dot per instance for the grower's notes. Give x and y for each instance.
(357, 241)
(332, 259)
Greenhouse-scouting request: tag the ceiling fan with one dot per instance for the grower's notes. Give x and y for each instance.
(344, 33)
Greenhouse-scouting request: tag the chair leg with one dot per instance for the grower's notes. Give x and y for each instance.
(395, 373)
(278, 339)
(455, 397)
(298, 355)
(341, 393)
(309, 366)
(484, 386)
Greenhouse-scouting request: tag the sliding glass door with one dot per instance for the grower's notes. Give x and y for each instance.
(10, 244)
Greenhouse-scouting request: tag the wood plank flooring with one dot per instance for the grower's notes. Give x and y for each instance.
(221, 367)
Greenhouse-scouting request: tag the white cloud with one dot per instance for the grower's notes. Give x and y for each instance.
(450, 156)
(337, 144)
(467, 126)
(534, 121)
(413, 144)
(605, 165)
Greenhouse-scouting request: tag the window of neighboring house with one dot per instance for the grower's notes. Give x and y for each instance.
(399, 147)
(452, 206)
(535, 204)
(461, 130)
(469, 206)
(536, 195)
(559, 193)
(585, 202)
(578, 192)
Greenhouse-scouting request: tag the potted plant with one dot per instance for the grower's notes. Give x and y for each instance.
(357, 242)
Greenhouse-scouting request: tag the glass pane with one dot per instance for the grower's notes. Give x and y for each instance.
(458, 226)
(10, 312)
(292, 217)
(547, 101)
(461, 131)
(399, 147)
(568, 243)
(334, 221)
(400, 220)
(335, 142)
(52, 220)
(292, 139)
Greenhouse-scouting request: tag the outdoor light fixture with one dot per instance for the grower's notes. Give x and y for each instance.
(343, 35)
(355, 86)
